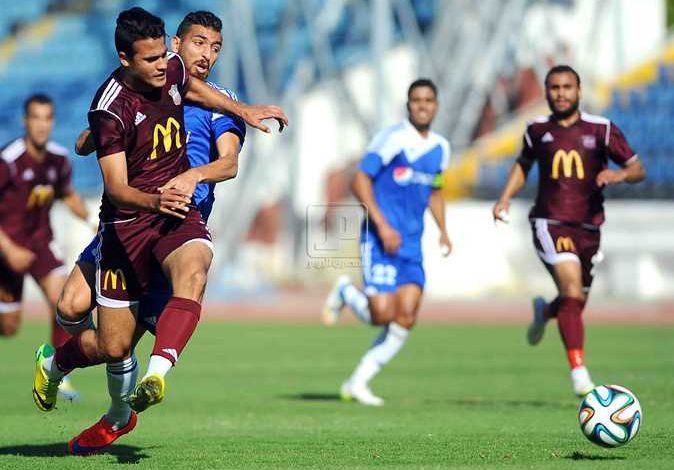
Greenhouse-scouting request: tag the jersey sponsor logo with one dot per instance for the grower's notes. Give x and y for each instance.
(175, 94)
(112, 276)
(565, 244)
(140, 117)
(547, 137)
(41, 195)
(166, 134)
(589, 141)
(567, 160)
(404, 175)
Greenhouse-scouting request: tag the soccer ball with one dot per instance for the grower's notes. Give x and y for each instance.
(610, 416)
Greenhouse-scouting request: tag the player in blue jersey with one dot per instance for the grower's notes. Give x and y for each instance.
(213, 145)
(399, 177)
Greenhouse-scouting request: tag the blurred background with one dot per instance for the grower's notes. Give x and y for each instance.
(340, 69)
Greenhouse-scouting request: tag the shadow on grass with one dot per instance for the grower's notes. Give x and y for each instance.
(123, 453)
(581, 456)
(498, 403)
(313, 397)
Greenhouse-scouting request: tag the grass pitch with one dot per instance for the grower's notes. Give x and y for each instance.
(263, 395)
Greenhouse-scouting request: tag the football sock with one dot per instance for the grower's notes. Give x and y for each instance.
(385, 347)
(354, 298)
(58, 334)
(176, 324)
(552, 309)
(122, 377)
(74, 327)
(69, 356)
(570, 323)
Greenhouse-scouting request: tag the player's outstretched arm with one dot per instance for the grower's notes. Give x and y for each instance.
(633, 172)
(224, 168)
(362, 189)
(85, 144)
(436, 204)
(516, 180)
(115, 182)
(75, 203)
(208, 97)
(17, 258)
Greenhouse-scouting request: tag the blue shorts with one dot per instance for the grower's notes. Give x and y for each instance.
(384, 273)
(152, 302)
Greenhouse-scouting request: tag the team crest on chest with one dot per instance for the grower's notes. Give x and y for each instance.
(175, 94)
(589, 141)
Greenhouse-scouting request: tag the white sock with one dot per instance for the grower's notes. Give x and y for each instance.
(121, 382)
(75, 327)
(51, 369)
(158, 365)
(385, 347)
(354, 298)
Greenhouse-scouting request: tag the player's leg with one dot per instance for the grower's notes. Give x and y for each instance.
(11, 293)
(76, 301)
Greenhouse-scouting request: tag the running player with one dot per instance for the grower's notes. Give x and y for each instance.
(572, 150)
(137, 123)
(399, 177)
(33, 172)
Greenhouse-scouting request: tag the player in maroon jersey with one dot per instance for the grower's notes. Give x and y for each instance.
(136, 120)
(572, 149)
(33, 172)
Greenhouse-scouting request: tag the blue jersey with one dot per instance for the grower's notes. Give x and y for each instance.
(204, 127)
(405, 168)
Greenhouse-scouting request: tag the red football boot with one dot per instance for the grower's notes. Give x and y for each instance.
(99, 436)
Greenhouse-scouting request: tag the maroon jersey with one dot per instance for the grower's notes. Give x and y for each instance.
(27, 189)
(148, 127)
(569, 160)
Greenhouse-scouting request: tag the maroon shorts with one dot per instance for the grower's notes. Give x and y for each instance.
(556, 242)
(47, 260)
(128, 252)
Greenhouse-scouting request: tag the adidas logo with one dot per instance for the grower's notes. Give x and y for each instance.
(140, 117)
(547, 137)
(172, 352)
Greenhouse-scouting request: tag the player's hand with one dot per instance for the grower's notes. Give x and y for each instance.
(174, 203)
(85, 143)
(185, 183)
(390, 238)
(19, 259)
(606, 177)
(254, 115)
(445, 245)
(500, 211)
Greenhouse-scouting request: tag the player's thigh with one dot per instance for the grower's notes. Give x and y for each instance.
(115, 332)
(78, 293)
(10, 322)
(382, 308)
(569, 278)
(187, 268)
(409, 299)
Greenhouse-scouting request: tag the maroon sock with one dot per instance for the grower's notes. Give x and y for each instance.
(553, 308)
(570, 322)
(71, 356)
(175, 327)
(58, 335)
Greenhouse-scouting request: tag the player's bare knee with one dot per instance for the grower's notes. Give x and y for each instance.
(381, 316)
(8, 327)
(114, 350)
(406, 319)
(72, 306)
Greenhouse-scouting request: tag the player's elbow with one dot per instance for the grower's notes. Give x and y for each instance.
(231, 170)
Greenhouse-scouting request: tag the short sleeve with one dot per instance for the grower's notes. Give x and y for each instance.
(619, 151)
(177, 72)
(64, 185)
(527, 156)
(382, 150)
(371, 164)
(108, 133)
(222, 123)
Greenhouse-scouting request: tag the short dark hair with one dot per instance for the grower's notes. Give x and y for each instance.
(561, 69)
(40, 98)
(201, 18)
(136, 24)
(422, 82)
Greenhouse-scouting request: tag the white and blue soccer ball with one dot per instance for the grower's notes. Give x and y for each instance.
(610, 416)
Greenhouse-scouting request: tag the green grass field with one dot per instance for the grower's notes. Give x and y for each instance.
(265, 396)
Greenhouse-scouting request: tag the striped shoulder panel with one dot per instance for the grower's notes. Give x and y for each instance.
(539, 120)
(110, 93)
(57, 149)
(14, 150)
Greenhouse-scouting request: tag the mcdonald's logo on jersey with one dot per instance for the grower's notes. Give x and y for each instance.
(113, 276)
(565, 244)
(166, 133)
(41, 195)
(567, 160)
